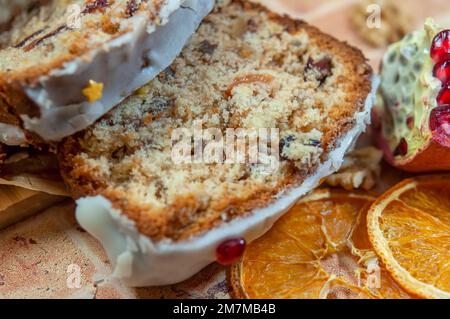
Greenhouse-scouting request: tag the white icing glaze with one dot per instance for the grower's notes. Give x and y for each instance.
(11, 135)
(118, 65)
(139, 261)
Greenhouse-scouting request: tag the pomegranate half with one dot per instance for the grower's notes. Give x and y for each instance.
(412, 115)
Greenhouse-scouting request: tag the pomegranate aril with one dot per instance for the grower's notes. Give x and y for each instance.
(444, 95)
(440, 124)
(402, 148)
(442, 71)
(440, 47)
(230, 251)
(439, 115)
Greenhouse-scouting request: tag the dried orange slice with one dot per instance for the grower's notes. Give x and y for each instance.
(409, 227)
(320, 249)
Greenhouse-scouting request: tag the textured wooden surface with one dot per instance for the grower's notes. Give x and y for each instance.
(38, 256)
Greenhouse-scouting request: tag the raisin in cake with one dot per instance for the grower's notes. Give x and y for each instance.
(63, 64)
(244, 68)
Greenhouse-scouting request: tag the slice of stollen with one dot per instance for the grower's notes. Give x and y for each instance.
(63, 64)
(161, 219)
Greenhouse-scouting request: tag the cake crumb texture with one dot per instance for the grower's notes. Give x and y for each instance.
(48, 33)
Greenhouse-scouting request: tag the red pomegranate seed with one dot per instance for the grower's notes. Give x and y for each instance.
(440, 124)
(444, 96)
(440, 48)
(230, 251)
(442, 71)
(402, 148)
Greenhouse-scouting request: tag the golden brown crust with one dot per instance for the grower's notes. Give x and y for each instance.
(177, 221)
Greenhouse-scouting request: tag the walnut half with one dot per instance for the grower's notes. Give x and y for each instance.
(360, 169)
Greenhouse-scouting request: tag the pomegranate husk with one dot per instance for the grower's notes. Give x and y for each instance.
(432, 157)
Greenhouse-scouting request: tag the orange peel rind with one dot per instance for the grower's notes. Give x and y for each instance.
(409, 227)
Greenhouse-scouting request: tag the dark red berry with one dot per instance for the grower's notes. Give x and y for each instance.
(440, 48)
(442, 71)
(440, 124)
(444, 95)
(402, 148)
(230, 251)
